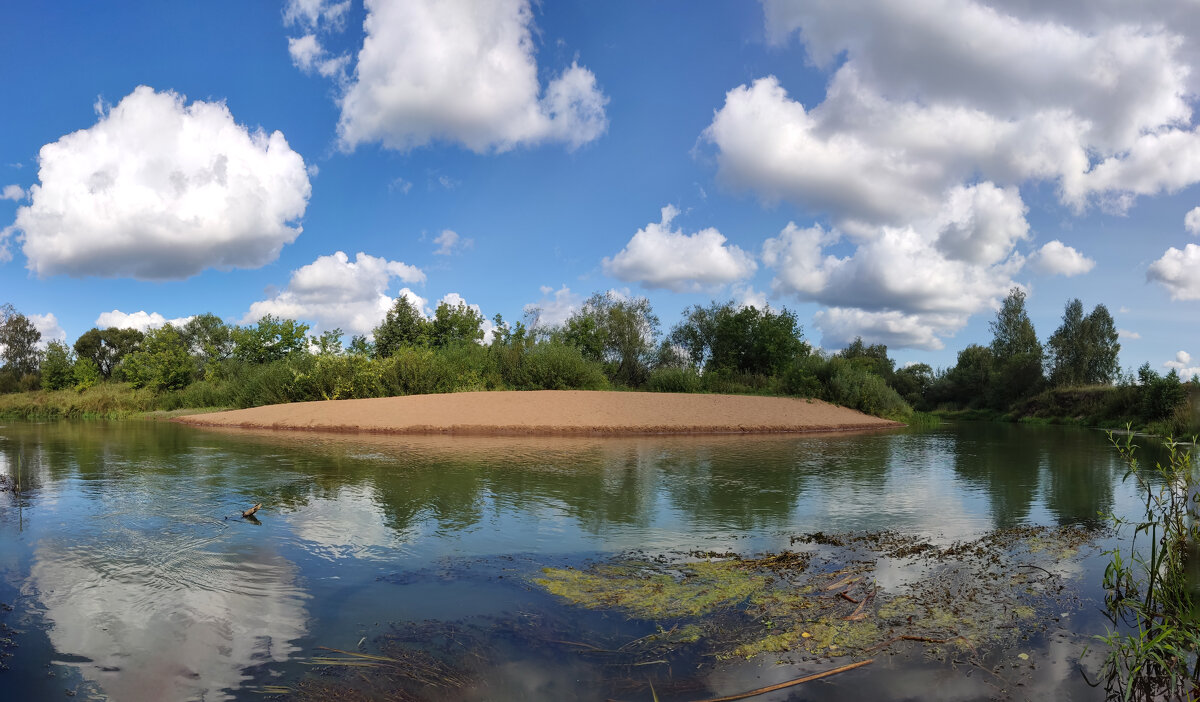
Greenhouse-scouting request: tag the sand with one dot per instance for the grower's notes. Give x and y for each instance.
(551, 413)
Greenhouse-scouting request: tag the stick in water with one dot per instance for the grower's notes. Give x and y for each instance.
(789, 683)
(250, 512)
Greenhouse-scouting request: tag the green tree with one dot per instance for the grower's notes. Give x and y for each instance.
(162, 362)
(58, 367)
(361, 346)
(1066, 347)
(329, 343)
(208, 339)
(969, 380)
(272, 339)
(1101, 335)
(404, 325)
(725, 337)
(913, 382)
(619, 331)
(455, 324)
(873, 358)
(1017, 354)
(106, 348)
(19, 340)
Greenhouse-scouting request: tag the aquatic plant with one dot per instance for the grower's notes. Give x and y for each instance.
(1153, 652)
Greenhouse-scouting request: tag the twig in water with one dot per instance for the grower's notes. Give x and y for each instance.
(790, 683)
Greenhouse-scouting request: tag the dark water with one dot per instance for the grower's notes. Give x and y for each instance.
(126, 574)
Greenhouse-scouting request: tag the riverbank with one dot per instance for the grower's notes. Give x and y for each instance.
(551, 412)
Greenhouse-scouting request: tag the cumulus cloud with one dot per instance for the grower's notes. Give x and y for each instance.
(661, 257)
(1183, 365)
(1179, 272)
(449, 242)
(335, 292)
(158, 189)
(316, 14)
(906, 286)
(1056, 258)
(554, 308)
(12, 192)
(48, 325)
(141, 320)
(1126, 334)
(937, 111)
(1191, 221)
(464, 72)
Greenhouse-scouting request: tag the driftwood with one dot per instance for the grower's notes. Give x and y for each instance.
(250, 512)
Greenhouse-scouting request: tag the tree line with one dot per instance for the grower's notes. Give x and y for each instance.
(612, 341)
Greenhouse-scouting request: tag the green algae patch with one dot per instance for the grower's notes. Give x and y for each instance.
(646, 591)
(826, 602)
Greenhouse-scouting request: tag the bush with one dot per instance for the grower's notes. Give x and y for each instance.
(553, 366)
(861, 390)
(673, 380)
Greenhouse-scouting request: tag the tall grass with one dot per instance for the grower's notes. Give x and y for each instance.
(1154, 651)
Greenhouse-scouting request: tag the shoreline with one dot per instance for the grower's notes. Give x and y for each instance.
(551, 413)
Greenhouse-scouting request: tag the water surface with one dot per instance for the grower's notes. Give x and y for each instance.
(127, 573)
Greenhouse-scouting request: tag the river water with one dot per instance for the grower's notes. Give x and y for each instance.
(126, 572)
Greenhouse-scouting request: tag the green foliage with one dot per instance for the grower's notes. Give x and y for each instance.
(852, 386)
(1154, 653)
(873, 358)
(86, 374)
(455, 324)
(913, 382)
(404, 325)
(18, 343)
(674, 380)
(329, 343)
(106, 348)
(555, 366)
(746, 340)
(161, 363)
(803, 377)
(272, 339)
(209, 340)
(58, 367)
(618, 331)
(1017, 354)
(1084, 350)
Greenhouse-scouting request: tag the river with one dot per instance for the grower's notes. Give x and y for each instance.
(127, 573)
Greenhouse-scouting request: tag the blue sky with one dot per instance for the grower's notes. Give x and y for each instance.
(883, 169)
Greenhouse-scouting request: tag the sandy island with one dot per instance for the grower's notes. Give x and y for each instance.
(551, 412)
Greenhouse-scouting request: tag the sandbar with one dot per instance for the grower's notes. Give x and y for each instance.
(551, 413)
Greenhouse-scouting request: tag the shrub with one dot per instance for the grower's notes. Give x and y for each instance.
(553, 366)
(673, 380)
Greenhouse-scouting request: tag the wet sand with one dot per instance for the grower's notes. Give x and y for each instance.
(551, 413)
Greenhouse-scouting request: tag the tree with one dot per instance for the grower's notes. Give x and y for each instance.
(272, 339)
(329, 343)
(1084, 350)
(913, 382)
(455, 324)
(19, 339)
(619, 331)
(725, 337)
(404, 325)
(1068, 363)
(106, 348)
(971, 377)
(873, 358)
(162, 362)
(1018, 355)
(1100, 332)
(58, 367)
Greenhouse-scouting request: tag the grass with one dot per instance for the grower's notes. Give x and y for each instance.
(1154, 647)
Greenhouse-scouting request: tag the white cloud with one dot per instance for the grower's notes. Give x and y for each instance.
(335, 292)
(316, 14)
(48, 325)
(1182, 364)
(555, 307)
(12, 192)
(311, 57)
(1191, 221)
(401, 185)
(158, 190)
(464, 72)
(911, 285)
(1126, 334)
(1179, 272)
(449, 242)
(1056, 258)
(935, 113)
(140, 320)
(660, 257)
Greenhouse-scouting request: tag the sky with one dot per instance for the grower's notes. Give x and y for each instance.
(885, 170)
